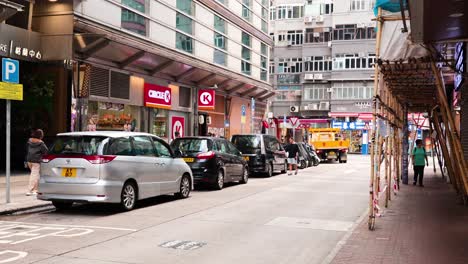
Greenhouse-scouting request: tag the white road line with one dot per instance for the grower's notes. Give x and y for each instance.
(349, 171)
(72, 226)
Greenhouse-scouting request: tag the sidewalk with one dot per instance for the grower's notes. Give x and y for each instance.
(19, 201)
(422, 225)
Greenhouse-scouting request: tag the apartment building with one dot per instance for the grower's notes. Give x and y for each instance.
(322, 64)
(177, 46)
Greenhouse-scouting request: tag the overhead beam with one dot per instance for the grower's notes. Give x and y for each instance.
(266, 96)
(207, 78)
(160, 67)
(132, 59)
(259, 95)
(249, 91)
(236, 88)
(186, 74)
(95, 47)
(223, 83)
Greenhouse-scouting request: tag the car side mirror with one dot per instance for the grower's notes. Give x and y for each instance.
(178, 153)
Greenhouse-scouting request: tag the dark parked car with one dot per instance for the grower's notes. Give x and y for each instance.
(304, 157)
(313, 153)
(264, 153)
(214, 161)
(306, 153)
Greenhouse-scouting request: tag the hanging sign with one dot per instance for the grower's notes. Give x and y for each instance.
(206, 99)
(9, 87)
(157, 96)
(178, 125)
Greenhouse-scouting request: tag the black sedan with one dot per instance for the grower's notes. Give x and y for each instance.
(213, 161)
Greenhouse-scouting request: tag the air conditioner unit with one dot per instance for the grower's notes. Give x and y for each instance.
(308, 19)
(324, 105)
(329, 44)
(316, 34)
(329, 90)
(313, 106)
(326, 29)
(370, 24)
(319, 19)
(308, 76)
(298, 93)
(294, 109)
(318, 76)
(361, 25)
(307, 58)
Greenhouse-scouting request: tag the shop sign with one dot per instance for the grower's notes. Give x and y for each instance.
(178, 125)
(157, 96)
(20, 44)
(243, 114)
(349, 125)
(206, 99)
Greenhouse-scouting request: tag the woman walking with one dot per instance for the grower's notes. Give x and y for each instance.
(419, 155)
(36, 148)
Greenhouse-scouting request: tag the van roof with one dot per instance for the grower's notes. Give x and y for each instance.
(112, 134)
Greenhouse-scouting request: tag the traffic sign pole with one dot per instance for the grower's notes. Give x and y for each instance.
(8, 148)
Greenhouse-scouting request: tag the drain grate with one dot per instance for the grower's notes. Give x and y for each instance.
(182, 245)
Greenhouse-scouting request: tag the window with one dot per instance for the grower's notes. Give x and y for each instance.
(246, 12)
(264, 13)
(263, 75)
(264, 26)
(184, 42)
(353, 61)
(289, 78)
(224, 2)
(287, 95)
(318, 63)
(290, 11)
(120, 146)
(246, 68)
(162, 150)
(353, 31)
(326, 9)
(219, 41)
(290, 65)
(246, 39)
(86, 145)
(264, 49)
(186, 6)
(358, 5)
(351, 91)
(246, 53)
(142, 146)
(184, 23)
(184, 96)
(132, 21)
(263, 62)
(319, 92)
(221, 146)
(317, 35)
(272, 67)
(292, 37)
(219, 24)
(273, 13)
(219, 57)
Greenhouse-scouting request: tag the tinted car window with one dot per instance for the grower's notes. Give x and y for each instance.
(161, 149)
(232, 149)
(273, 143)
(191, 145)
(120, 146)
(222, 147)
(87, 145)
(142, 146)
(248, 144)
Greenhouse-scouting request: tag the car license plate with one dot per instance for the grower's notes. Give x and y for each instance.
(188, 159)
(331, 153)
(69, 172)
(246, 158)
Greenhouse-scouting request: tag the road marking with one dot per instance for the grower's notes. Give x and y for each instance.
(72, 226)
(183, 245)
(18, 255)
(16, 233)
(319, 224)
(349, 171)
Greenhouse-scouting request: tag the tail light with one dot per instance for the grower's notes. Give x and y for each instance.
(344, 150)
(206, 155)
(319, 151)
(48, 158)
(99, 159)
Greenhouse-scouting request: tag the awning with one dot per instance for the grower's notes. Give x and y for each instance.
(313, 121)
(343, 114)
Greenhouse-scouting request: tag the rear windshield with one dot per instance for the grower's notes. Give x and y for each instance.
(247, 144)
(76, 145)
(191, 145)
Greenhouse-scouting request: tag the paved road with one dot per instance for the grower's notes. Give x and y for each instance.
(283, 219)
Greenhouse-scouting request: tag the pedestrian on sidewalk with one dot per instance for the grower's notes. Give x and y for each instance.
(418, 156)
(36, 148)
(293, 152)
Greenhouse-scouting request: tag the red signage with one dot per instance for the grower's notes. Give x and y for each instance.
(157, 96)
(206, 99)
(178, 125)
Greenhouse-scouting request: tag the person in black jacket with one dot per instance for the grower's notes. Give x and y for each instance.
(36, 149)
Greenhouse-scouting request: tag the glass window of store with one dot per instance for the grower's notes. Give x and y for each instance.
(112, 116)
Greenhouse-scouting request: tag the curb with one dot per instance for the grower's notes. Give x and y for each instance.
(24, 209)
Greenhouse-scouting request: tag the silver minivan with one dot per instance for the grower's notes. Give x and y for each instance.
(111, 167)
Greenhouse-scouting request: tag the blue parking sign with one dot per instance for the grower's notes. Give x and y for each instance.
(10, 70)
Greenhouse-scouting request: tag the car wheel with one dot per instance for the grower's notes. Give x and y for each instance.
(269, 171)
(185, 188)
(219, 180)
(60, 205)
(285, 169)
(245, 176)
(303, 164)
(128, 196)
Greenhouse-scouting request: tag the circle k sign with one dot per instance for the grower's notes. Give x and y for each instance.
(206, 99)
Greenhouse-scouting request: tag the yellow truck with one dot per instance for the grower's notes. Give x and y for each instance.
(329, 145)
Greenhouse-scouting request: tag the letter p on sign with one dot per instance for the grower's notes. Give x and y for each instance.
(10, 70)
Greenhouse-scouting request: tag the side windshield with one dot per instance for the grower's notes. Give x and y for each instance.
(247, 144)
(77, 145)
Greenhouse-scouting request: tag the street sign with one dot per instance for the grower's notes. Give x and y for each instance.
(10, 70)
(243, 114)
(294, 121)
(11, 91)
(178, 125)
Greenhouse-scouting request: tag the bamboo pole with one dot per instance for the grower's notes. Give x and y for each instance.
(437, 148)
(372, 191)
(450, 124)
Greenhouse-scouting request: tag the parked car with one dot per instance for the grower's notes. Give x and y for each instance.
(304, 157)
(111, 167)
(264, 153)
(214, 161)
(307, 155)
(313, 153)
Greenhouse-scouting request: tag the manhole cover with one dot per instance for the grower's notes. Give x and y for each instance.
(183, 245)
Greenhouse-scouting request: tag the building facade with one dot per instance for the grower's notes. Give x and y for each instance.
(322, 64)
